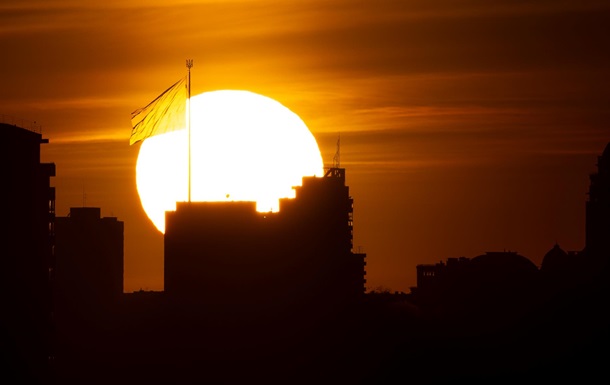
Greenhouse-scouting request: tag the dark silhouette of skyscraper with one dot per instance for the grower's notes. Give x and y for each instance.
(87, 292)
(89, 256)
(597, 247)
(226, 252)
(262, 292)
(27, 259)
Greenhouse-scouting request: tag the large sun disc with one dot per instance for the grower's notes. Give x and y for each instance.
(243, 147)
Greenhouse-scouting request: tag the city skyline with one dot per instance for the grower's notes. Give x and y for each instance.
(263, 298)
(464, 129)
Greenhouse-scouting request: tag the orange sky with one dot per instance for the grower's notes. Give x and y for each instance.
(465, 127)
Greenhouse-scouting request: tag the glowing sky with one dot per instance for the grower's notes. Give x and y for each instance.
(465, 126)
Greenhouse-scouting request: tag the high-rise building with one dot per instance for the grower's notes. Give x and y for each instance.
(597, 247)
(27, 257)
(89, 257)
(228, 254)
(258, 289)
(88, 288)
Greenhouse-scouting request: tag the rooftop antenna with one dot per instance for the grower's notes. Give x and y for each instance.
(337, 157)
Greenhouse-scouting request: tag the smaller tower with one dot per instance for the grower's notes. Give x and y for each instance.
(89, 257)
(597, 246)
(88, 288)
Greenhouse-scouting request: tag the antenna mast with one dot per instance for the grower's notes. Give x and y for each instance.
(337, 157)
(335, 171)
(189, 65)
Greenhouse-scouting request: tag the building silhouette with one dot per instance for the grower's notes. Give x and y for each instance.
(27, 257)
(495, 287)
(221, 252)
(597, 242)
(248, 297)
(498, 318)
(88, 290)
(279, 297)
(560, 272)
(260, 289)
(89, 257)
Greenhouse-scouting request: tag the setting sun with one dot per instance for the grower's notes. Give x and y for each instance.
(244, 147)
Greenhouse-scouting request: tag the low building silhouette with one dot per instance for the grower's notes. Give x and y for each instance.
(27, 258)
(498, 318)
(494, 284)
(561, 271)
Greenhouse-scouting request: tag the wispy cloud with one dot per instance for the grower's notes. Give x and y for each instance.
(343, 66)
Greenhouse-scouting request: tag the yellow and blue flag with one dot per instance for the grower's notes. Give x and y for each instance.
(164, 114)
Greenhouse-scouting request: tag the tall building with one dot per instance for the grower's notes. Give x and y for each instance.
(89, 257)
(228, 254)
(88, 288)
(263, 292)
(597, 247)
(27, 257)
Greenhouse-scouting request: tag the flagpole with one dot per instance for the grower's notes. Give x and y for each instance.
(189, 65)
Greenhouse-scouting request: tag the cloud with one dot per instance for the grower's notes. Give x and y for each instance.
(343, 66)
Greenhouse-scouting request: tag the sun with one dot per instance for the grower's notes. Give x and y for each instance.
(244, 147)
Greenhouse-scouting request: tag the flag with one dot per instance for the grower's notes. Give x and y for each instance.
(164, 114)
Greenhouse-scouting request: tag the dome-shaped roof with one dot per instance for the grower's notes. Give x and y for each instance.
(498, 278)
(504, 263)
(554, 259)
